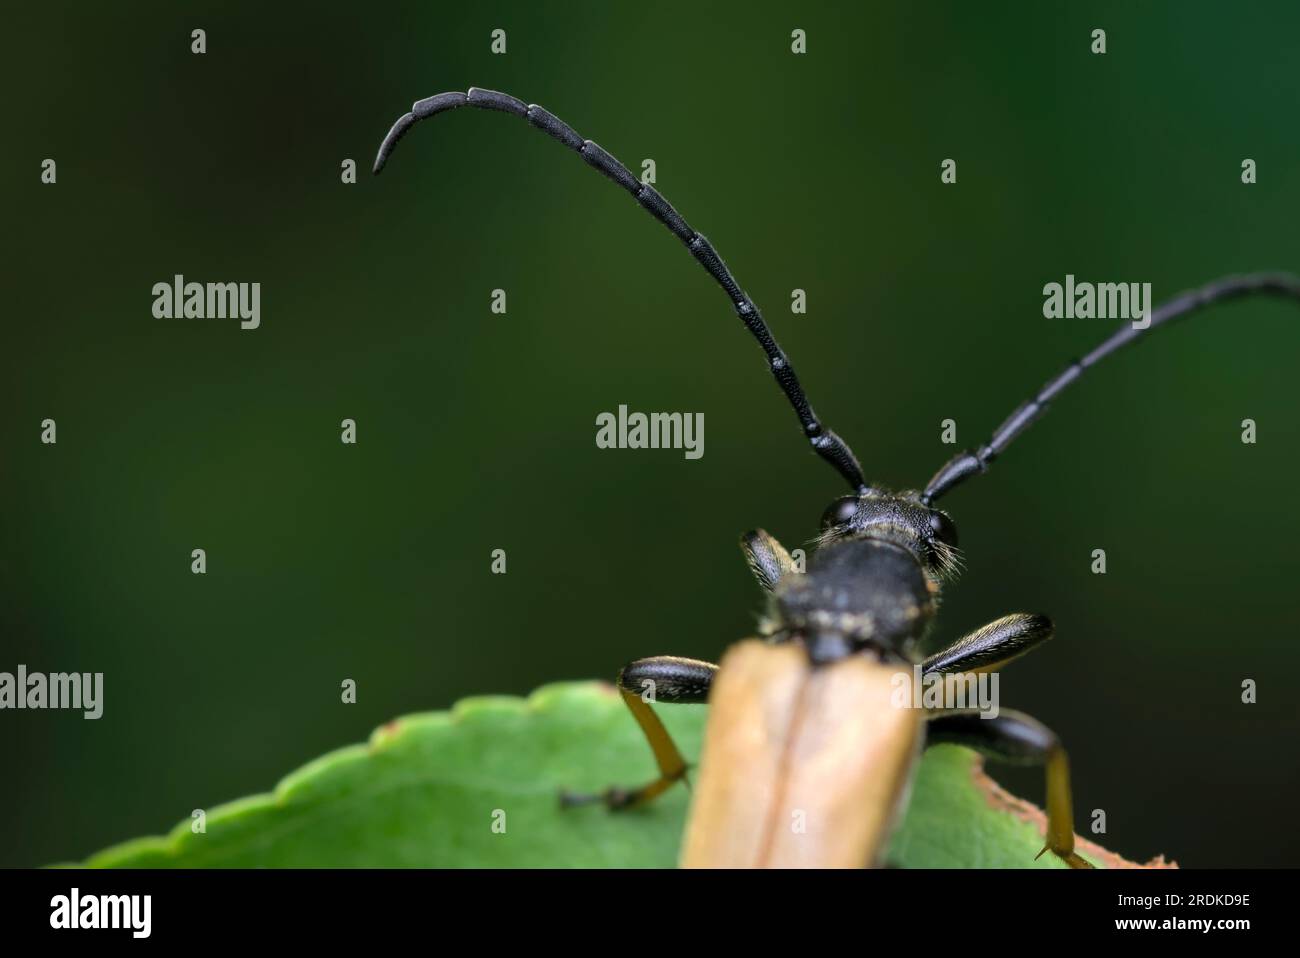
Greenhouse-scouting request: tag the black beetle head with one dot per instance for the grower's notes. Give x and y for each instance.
(901, 518)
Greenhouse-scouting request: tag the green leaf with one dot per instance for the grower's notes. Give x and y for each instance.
(426, 790)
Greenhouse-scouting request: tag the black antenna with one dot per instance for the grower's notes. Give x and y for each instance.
(966, 464)
(828, 445)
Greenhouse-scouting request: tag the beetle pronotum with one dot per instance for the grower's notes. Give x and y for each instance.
(802, 718)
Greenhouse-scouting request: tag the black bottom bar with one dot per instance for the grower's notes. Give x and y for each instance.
(336, 907)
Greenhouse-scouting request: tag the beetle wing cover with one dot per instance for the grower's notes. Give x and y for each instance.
(801, 767)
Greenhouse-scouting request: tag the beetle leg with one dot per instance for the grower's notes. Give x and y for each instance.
(663, 678)
(1021, 739)
(992, 646)
(767, 558)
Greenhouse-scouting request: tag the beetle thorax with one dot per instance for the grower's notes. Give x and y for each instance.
(858, 594)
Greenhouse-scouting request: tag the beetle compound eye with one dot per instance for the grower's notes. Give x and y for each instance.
(839, 512)
(942, 528)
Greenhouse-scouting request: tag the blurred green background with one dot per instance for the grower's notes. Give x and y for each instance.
(476, 431)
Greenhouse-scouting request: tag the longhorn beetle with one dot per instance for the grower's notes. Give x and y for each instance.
(801, 722)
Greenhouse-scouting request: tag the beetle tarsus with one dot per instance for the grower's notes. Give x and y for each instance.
(1071, 858)
(619, 799)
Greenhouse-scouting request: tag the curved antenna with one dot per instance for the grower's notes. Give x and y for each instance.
(966, 464)
(828, 445)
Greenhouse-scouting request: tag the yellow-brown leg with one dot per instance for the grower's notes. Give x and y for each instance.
(667, 679)
(1060, 810)
(1018, 738)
